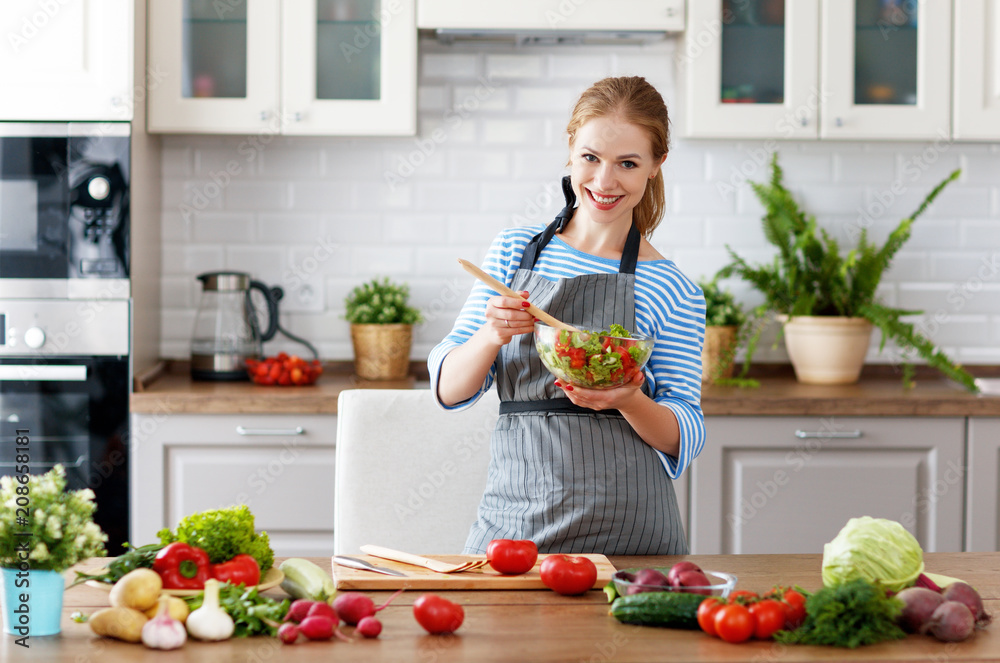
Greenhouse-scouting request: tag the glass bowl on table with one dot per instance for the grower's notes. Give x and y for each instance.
(591, 359)
(721, 584)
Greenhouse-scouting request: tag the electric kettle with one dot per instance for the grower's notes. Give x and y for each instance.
(226, 331)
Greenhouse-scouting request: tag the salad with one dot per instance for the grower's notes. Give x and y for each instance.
(592, 359)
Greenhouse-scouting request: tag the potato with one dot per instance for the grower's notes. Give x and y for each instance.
(119, 623)
(176, 608)
(139, 589)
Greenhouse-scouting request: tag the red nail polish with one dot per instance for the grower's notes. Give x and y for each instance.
(569, 387)
(525, 304)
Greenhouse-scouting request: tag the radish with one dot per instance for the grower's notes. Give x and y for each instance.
(369, 627)
(288, 633)
(317, 628)
(320, 609)
(919, 603)
(352, 607)
(299, 610)
(966, 595)
(951, 622)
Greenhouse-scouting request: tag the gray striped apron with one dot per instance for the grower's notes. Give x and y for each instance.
(573, 480)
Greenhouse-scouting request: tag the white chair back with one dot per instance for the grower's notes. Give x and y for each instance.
(409, 475)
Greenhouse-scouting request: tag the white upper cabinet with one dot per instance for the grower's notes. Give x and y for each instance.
(977, 70)
(885, 69)
(751, 69)
(310, 67)
(831, 69)
(66, 60)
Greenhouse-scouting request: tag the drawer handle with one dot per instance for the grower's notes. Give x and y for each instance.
(851, 434)
(298, 430)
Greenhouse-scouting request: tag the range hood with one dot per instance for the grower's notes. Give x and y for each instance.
(552, 21)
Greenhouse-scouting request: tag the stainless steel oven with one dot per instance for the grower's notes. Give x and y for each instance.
(64, 210)
(64, 378)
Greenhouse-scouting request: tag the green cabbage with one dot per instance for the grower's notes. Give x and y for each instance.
(873, 549)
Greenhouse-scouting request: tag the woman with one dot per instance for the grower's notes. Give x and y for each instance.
(586, 470)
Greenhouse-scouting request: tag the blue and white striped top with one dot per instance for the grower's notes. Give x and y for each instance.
(669, 308)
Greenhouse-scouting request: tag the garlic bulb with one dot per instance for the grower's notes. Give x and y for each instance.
(163, 631)
(210, 622)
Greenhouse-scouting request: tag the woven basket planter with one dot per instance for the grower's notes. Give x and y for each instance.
(382, 352)
(720, 343)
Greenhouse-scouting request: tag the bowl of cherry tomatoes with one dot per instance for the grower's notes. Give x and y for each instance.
(284, 370)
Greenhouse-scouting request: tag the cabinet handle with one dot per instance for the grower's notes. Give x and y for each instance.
(805, 122)
(263, 116)
(839, 122)
(851, 434)
(298, 430)
(297, 117)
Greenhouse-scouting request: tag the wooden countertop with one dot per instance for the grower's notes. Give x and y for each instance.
(541, 626)
(879, 393)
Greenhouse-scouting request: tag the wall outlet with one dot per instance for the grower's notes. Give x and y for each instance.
(305, 295)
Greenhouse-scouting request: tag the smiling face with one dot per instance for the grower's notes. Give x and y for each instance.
(611, 162)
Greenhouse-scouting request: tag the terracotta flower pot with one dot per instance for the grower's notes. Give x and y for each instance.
(720, 344)
(826, 349)
(382, 352)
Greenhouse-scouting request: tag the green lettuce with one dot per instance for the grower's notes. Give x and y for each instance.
(875, 549)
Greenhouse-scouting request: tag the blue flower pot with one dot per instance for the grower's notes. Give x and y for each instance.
(31, 604)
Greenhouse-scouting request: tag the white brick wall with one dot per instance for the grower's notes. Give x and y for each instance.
(331, 213)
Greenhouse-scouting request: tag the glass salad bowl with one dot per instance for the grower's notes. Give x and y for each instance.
(591, 359)
(722, 584)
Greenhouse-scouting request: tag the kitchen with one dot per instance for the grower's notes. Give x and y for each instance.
(477, 146)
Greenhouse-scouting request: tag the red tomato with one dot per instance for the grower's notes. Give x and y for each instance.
(706, 614)
(568, 575)
(742, 596)
(795, 608)
(769, 618)
(512, 557)
(734, 623)
(438, 616)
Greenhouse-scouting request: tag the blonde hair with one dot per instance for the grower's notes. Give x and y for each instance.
(637, 102)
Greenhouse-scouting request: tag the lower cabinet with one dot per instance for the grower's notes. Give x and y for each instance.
(982, 511)
(281, 466)
(789, 484)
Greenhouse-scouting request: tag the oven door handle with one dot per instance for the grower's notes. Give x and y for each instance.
(43, 373)
(77, 463)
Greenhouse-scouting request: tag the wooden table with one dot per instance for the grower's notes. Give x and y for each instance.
(540, 626)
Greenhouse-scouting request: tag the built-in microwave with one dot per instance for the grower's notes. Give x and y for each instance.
(64, 210)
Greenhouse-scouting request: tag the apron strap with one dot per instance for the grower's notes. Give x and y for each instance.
(550, 405)
(630, 253)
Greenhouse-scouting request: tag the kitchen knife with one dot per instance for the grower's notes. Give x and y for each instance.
(355, 563)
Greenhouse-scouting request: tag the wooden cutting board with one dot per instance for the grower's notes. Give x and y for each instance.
(421, 578)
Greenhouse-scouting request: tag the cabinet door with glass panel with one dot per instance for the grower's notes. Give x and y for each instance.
(216, 64)
(349, 67)
(885, 69)
(751, 69)
(977, 70)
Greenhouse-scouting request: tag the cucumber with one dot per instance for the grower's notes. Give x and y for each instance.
(669, 609)
(305, 580)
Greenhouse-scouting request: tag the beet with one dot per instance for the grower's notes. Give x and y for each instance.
(919, 603)
(966, 595)
(951, 622)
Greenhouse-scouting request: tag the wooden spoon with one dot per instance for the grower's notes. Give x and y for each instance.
(504, 290)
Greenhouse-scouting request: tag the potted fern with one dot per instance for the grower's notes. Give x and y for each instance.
(381, 329)
(827, 300)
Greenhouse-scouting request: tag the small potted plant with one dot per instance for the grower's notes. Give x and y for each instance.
(723, 321)
(381, 329)
(827, 301)
(44, 530)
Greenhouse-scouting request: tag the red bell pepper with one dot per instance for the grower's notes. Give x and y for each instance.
(182, 566)
(240, 570)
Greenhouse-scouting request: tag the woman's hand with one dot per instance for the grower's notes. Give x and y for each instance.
(604, 399)
(506, 317)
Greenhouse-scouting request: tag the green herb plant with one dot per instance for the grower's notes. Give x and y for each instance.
(132, 559)
(56, 525)
(810, 276)
(381, 302)
(850, 615)
(722, 310)
(223, 534)
(252, 613)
